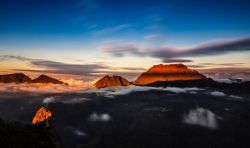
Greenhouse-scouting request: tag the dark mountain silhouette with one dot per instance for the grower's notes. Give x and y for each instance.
(15, 134)
(46, 79)
(15, 78)
(109, 81)
(172, 72)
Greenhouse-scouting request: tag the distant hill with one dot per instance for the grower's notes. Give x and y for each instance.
(109, 81)
(46, 79)
(15, 78)
(172, 72)
(22, 78)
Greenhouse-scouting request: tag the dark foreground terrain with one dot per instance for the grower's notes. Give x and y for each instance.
(27, 136)
(137, 117)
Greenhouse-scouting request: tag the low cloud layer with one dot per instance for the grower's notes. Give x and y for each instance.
(114, 91)
(39, 88)
(235, 97)
(80, 133)
(202, 117)
(237, 72)
(217, 94)
(100, 117)
(53, 99)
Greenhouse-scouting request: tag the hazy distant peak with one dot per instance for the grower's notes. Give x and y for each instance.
(14, 78)
(46, 79)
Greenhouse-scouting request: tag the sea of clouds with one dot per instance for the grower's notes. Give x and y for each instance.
(124, 90)
(40, 88)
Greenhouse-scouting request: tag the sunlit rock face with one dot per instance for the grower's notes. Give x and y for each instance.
(46, 79)
(172, 72)
(15, 78)
(42, 115)
(109, 81)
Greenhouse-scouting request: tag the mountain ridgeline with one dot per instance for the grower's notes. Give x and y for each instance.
(15, 78)
(158, 73)
(22, 78)
(173, 72)
(46, 79)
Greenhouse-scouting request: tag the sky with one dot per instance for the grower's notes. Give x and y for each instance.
(92, 38)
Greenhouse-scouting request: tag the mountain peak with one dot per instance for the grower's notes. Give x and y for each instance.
(15, 78)
(109, 81)
(170, 67)
(46, 79)
(171, 72)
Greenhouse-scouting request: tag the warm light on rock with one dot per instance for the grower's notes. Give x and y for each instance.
(42, 115)
(172, 72)
(110, 81)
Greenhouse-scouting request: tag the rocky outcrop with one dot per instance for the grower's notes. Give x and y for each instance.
(110, 81)
(46, 79)
(15, 78)
(42, 115)
(172, 72)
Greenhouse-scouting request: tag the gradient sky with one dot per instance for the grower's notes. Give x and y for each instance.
(95, 37)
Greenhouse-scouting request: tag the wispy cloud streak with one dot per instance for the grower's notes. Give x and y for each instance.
(171, 53)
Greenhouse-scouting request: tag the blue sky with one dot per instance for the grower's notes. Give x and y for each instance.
(40, 29)
(178, 21)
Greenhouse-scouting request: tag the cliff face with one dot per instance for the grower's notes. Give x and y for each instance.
(172, 72)
(46, 79)
(14, 78)
(109, 81)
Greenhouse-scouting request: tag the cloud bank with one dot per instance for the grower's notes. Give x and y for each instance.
(201, 117)
(124, 90)
(39, 88)
(237, 72)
